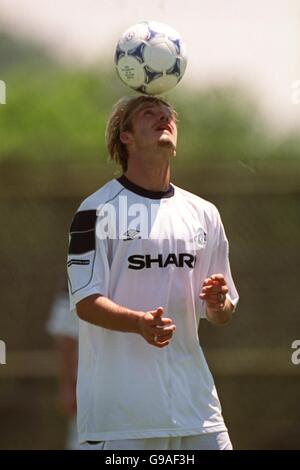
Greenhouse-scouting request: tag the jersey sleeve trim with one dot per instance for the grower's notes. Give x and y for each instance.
(82, 233)
(83, 294)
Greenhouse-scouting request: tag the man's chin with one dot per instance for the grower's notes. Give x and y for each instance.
(167, 143)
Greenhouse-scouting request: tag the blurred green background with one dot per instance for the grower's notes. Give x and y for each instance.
(52, 155)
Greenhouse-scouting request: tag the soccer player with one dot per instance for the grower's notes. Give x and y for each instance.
(146, 261)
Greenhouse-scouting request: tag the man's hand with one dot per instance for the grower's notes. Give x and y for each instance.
(214, 291)
(155, 329)
(219, 308)
(101, 311)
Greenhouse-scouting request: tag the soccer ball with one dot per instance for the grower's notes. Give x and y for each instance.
(150, 57)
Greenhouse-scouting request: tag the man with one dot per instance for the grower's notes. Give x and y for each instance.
(146, 261)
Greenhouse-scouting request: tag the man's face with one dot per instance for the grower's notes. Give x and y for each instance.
(153, 127)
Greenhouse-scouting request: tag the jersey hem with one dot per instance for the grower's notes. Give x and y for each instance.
(115, 436)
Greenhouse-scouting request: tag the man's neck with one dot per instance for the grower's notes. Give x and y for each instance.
(149, 177)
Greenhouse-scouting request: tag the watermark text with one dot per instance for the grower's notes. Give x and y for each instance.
(2, 352)
(296, 354)
(2, 92)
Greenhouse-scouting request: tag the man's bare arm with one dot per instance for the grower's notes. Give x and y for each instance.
(101, 311)
(222, 316)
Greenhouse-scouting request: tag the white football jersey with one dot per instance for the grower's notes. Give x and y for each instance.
(143, 250)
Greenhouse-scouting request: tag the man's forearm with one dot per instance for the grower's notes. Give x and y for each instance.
(220, 317)
(101, 311)
(156, 329)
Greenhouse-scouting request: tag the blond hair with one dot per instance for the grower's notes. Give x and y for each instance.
(120, 120)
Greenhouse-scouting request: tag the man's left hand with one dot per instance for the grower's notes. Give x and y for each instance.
(214, 292)
(218, 308)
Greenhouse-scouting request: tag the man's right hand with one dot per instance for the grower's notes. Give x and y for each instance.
(155, 329)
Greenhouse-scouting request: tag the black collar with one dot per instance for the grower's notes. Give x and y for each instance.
(145, 192)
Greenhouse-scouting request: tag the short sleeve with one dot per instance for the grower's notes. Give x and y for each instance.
(219, 261)
(87, 264)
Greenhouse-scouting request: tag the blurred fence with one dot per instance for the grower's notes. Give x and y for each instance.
(251, 359)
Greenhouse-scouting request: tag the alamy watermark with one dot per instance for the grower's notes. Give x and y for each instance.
(296, 354)
(2, 352)
(128, 221)
(2, 92)
(295, 92)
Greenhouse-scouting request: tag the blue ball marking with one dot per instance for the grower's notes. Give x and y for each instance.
(118, 54)
(152, 34)
(177, 44)
(175, 69)
(141, 89)
(138, 52)
(151, 74)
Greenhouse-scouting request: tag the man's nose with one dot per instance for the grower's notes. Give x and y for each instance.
(163, 116)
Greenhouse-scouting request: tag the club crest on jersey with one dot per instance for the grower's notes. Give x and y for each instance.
(131, 234)
(201, 238)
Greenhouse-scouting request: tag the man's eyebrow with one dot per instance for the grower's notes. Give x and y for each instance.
(146, 106)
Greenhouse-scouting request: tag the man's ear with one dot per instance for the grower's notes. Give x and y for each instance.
(125, 137)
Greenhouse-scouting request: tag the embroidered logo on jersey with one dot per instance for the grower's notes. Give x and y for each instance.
(147, 261)
(131, 234)
(201, 238)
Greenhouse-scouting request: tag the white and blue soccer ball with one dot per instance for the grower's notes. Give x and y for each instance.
(150, 57)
